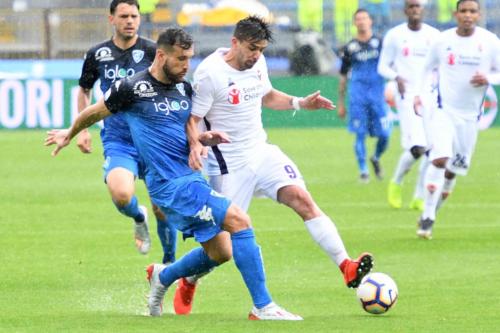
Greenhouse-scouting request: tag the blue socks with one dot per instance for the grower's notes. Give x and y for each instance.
(381, 147)
(168, 238)
(248, 259)
(360, 151)
(194, 262)
(131, 210)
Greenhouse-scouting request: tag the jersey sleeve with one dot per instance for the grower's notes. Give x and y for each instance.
(346, 61)
(431, 63)
(203, 94)
(387, 57)
(90, 74)
(119, 96)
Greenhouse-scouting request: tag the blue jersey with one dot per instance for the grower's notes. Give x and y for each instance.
(108, 63)
(156, 114)
(361, 58)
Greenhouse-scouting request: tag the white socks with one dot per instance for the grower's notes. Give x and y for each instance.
(324, 232)
(404, 164)
(420, 186)
(434, 180)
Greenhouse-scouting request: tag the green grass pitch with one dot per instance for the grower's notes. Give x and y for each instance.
(68, 263)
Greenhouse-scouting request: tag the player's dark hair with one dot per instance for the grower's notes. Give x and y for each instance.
(115, 3)
(252, 29)
(174, 36)
(460, 1)
(360, 10)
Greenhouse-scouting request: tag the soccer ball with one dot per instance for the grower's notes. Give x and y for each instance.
(377, 293)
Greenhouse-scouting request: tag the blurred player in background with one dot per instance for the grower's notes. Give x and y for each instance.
(466, 57)
(231, 86)
(125, 54)
(156, 104)
(367, 107)
(402, 59)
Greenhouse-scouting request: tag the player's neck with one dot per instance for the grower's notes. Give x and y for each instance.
(464, 32)
(230, 59)
(414, 26)
(157, 72)
(124, 43)
(364, 36)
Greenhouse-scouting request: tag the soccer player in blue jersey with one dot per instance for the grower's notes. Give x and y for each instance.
(156, 105)
(367, 108)
(125, 54)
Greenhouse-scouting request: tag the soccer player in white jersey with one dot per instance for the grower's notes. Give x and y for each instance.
(466, 58)
(402, 59)
(231, 86)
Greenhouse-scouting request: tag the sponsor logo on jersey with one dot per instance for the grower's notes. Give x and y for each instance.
(137, 55)
(172, 106)
(451, 59)
(144, 89)
(406, 51)
(117, 73)
(180, 88)
(104, 54)
(234, 96)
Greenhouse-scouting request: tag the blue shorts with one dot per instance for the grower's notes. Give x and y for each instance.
(190, 204)
(369, 115)
(121, 158)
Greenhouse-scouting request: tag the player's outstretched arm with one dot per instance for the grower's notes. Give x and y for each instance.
(88, 117)
(278, 100)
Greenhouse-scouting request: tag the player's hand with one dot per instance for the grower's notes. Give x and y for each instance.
(196, 156)
(84, 141)
(417, 106)
(59, 138)
(401, 86)
(479, 80)
(315, 101)
(341, 111)
(213, 138)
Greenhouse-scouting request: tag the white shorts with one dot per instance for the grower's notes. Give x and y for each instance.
(269, 171)
(411, 125)
(453, 137)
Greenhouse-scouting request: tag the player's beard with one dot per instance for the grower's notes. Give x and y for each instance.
(175, 78)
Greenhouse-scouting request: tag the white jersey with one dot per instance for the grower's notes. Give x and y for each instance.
(403, 54)
(458, 59)
(230, 100)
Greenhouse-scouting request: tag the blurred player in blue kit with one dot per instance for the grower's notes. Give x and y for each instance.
(156, 104)
(125, 54)
(367, 108)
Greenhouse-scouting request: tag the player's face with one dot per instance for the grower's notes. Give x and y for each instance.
(362, 22)
(126, 21)
(248, 52)
(414, 10)
(176, 63)
(467, 15)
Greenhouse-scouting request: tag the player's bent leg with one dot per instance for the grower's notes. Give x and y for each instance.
(167, 235)
(248, 259)
(324, 232)
(120, 182)
(434, 180)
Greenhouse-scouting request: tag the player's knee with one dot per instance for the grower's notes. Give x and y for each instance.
(440, 162)
(417, 151)
(221, 256)
(160, 216)
(449, 175)
(121, 199)
(236, 220)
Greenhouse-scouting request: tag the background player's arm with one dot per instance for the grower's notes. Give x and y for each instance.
(278, 100)
(342, 89)
(84, 140)
(386, 60)
(89, 116)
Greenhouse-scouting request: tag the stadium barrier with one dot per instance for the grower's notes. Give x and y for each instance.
(39, 98)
